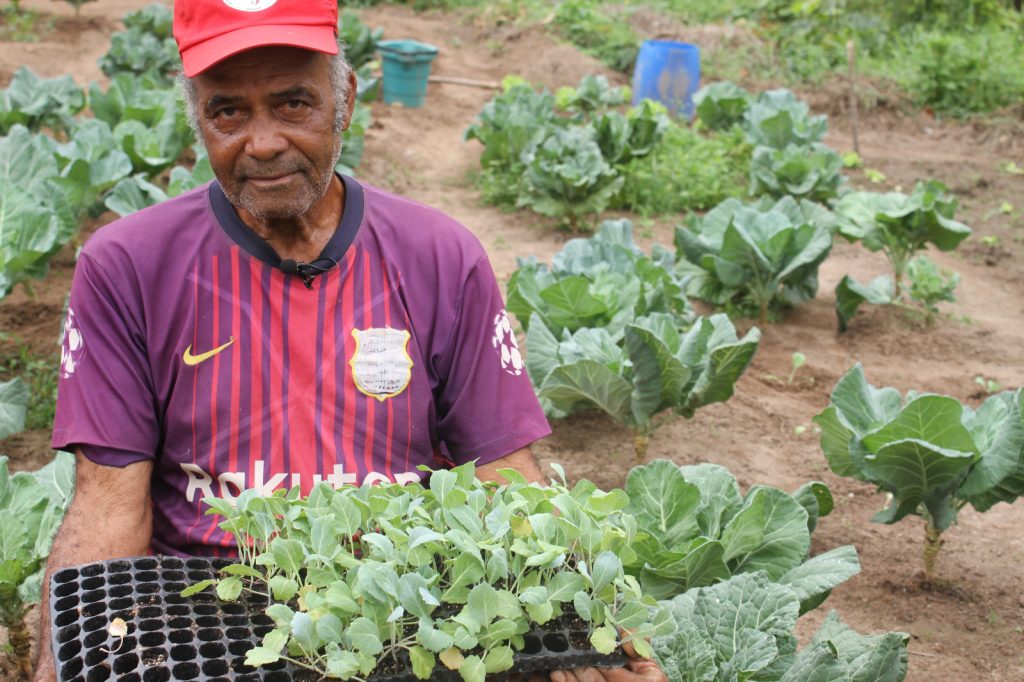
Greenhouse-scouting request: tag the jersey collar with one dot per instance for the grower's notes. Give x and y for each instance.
(251, 243)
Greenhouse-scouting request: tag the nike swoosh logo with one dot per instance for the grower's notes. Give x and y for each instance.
(193, 360)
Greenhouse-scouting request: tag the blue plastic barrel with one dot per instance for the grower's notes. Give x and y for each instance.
(668, 72)
(406, 66)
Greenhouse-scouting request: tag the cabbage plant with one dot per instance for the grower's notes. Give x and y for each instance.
(721, 105)
(657, 371)
(811, 171)
(32, 506)
(35, 102)
(604, 281)
(778, 119)
(755, 256)
(932, 455)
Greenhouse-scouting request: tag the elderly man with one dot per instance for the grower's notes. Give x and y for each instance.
(281, 326)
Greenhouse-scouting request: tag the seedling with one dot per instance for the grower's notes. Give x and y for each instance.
(852, 160)
(874, 175)
(799, 360)
(1013, 169)
(990, 240)
(989, 386)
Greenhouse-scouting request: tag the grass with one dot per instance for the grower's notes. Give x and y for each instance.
(23, 25)
(38, 372)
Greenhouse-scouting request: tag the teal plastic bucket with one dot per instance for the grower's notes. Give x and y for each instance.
(406, 65)
(668, 72)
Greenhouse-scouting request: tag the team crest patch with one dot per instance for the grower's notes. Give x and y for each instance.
(381, 366)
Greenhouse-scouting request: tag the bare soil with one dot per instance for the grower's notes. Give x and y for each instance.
(970, 626)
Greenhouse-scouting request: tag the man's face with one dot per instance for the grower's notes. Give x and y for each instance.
(267, 117)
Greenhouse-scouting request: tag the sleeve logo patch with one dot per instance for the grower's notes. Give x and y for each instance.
(504, 341)
(381, 366)
(72, 348)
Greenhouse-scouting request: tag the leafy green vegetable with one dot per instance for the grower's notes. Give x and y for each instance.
(756, 256)
(140, 52)
(804, 172)
(154, 18)
(360, 41)
(656, 367)
(353, 140)
(635, 135)
(567, 177)
(901, 225)
(35, 102)
(929, 285)
(457, 570)
(35, 216)
(14, 397)
(721, 105)
(777, 119)
(933, 455)
(31, 508)
(91, 163)
(592, 95)
(701, 530)
(850, 294)
(602, 281)
(743, 629)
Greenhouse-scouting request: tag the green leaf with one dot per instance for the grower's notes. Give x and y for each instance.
(785, 539)
(14, 397)
(422, 662)
(364, 636)
(243, 570)
(663, 503)
(258, 656)
(473, 669)
(605, 639)
(498, 659)
(815, 578)
(198, 587)
(483, 603)
(329, 628)
(607, 568)
(588, 383)
(229, 589)
(283, 588)
(850, 294)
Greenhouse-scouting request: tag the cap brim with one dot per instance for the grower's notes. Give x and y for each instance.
(202, 56)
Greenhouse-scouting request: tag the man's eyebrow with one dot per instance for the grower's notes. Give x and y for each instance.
(295, 91)
(217, 101)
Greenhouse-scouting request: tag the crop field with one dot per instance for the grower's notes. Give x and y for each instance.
(666, 256)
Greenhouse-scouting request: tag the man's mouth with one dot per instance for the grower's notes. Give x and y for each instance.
(276, 179)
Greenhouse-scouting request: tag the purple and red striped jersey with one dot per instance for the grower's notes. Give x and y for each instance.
(187, 344)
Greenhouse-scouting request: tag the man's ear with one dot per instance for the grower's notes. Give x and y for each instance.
(350, 98)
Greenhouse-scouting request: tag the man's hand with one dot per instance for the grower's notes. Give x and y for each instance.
(636, 670)
(110, 517)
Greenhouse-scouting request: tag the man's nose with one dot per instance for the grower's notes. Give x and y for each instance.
(265, 141)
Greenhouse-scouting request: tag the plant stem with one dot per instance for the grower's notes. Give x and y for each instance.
(932, 545)
(21, 645)
(640, 443)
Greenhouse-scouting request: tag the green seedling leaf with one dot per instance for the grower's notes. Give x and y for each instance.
(422, 662)
(283, 588)
(230, 588)
(258, 656)
(604, 639)
(198, 587)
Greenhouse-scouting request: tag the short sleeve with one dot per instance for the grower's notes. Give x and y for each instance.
(105, 399)
(486, 406)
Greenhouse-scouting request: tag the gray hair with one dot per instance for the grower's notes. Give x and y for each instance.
(339, 75)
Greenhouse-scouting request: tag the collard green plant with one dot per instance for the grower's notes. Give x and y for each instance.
(657, 371)
(567, 177)
(777, 119)
(91, 163)
(699, 529)
(634, 135)
(136, 192)
(154, 19)
(930, 285)
(604, 281)
(14, 397)
(593, 94)
(36, 102)
(900, 225)
(35, 216)
(31, 508)
(930, 453)
(353, 140)
(721, 105)
(454, 573)
(512, 122)
(811, 171)
(360, 40)
(755, 257)
(742, 629)
(140, 52)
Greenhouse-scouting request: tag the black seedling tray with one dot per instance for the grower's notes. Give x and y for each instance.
(171, 637)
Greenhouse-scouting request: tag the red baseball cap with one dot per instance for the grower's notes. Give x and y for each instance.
(208, 31)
